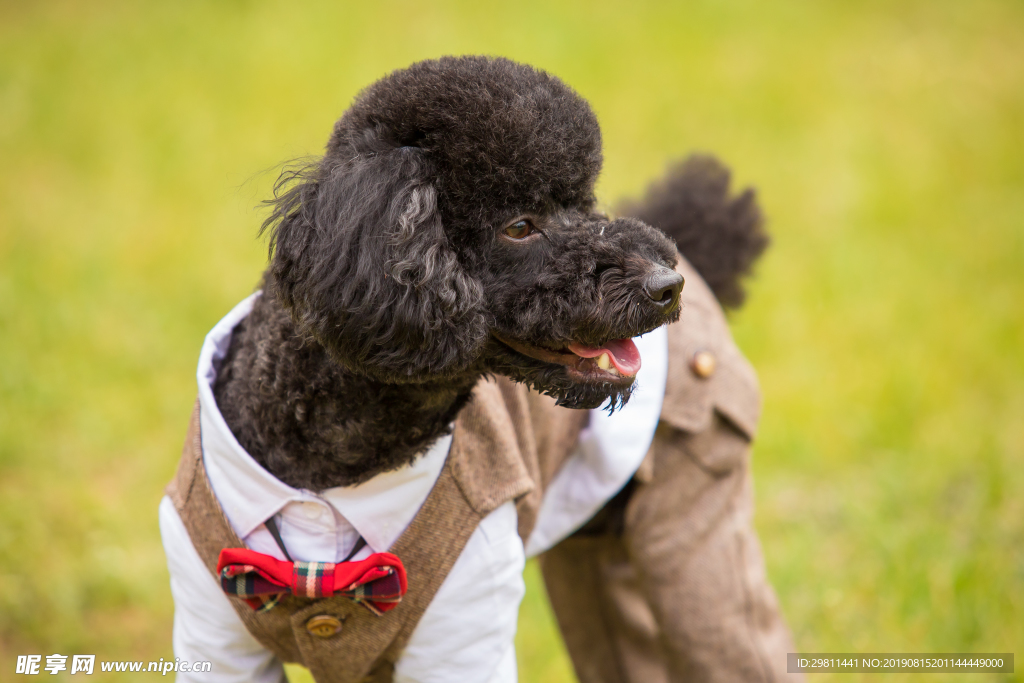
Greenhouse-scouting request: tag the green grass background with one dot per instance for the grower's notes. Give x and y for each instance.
(887, 322)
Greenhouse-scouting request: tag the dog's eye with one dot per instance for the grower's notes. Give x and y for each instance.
(520, 229)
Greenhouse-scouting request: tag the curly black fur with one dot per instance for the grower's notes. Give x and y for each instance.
(720, 235)
(394, 283)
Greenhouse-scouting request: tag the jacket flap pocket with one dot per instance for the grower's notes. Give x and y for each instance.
(708, 374)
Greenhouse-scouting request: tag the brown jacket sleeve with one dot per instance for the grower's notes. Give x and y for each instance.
(667, 583)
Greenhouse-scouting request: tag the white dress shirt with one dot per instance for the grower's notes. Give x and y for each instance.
(609, 451)
(467, 631)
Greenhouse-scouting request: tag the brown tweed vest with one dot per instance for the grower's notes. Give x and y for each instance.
(493, 459)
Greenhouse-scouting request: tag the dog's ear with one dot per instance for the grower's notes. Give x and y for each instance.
(360, 257)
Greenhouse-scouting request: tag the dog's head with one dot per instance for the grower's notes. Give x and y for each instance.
(450, 230)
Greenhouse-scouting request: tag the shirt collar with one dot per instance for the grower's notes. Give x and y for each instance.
(379, 509)
(626, 435)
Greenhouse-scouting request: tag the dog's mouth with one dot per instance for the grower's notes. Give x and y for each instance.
(616, 360)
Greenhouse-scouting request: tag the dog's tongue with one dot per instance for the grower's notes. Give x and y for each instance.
(623, 353)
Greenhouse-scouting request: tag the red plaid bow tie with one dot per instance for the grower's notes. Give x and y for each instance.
(378, 582)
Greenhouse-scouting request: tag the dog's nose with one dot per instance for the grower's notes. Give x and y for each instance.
(663, 287)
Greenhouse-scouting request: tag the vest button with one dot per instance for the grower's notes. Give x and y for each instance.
(324, 626)
(703, 364)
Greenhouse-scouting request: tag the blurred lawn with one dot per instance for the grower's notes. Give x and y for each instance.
(887, 322)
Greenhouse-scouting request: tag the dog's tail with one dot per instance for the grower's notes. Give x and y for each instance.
(720, 235)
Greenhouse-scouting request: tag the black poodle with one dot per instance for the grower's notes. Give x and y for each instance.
(448, 233)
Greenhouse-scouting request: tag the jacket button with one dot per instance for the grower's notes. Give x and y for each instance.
(703, 364)
(324, 626)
